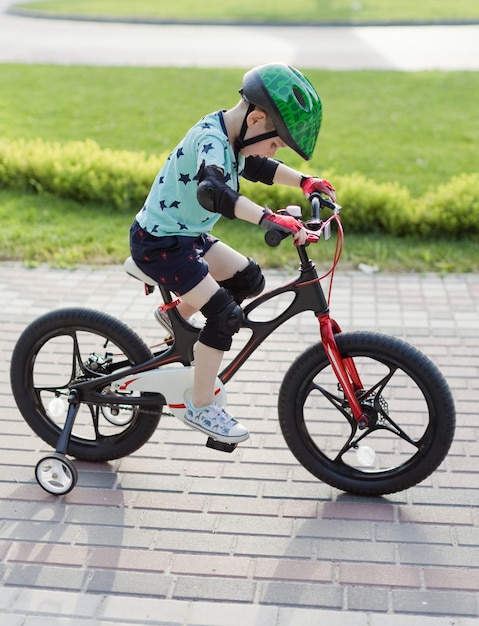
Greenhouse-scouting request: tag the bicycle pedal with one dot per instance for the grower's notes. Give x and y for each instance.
(221, 445)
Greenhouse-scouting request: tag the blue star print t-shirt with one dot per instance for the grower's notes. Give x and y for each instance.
(171, 207)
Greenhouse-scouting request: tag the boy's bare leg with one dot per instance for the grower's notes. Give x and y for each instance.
(207, 365)
(223, 262)
(185, 310)
(207, 360)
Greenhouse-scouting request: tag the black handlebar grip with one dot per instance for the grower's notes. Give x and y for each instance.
(274, 237)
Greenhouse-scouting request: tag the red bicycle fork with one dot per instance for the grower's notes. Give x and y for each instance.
(344, 368)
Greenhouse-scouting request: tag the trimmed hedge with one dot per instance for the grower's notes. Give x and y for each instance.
(121, 179)
(79, 170)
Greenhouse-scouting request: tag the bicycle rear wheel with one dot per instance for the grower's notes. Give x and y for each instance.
(406, 399)
(68, 346)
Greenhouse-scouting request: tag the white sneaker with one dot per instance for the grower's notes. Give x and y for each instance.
(216, 422)
(163, 319)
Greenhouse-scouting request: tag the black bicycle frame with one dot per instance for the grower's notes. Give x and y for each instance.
(308, 296)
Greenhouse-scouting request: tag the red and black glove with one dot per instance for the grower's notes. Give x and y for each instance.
(310, 184)
(285, 223)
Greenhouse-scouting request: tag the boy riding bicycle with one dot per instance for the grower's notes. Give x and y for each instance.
(199, 182)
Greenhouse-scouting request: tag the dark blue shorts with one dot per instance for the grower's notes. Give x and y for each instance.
(176, 262)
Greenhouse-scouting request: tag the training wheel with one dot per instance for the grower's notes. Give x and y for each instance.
(56, 474)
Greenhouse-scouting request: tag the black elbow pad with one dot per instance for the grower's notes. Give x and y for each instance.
(217, 197)
(260, 169)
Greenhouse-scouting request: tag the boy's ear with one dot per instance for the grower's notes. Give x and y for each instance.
(257, 115)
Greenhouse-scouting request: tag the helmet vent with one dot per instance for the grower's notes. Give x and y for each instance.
(299, 95)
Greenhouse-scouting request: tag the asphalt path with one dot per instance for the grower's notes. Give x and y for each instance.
(70, 42)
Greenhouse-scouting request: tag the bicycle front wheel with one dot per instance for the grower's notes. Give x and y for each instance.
(407, 402)
(72, 345)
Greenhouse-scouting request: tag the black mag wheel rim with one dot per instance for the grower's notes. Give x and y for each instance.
(400, 414)
(71, 354)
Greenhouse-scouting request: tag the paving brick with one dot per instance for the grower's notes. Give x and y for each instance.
(37, 512)
(8, 597)
(147, 482)
(211, 565)
(103, 516)
(314, 617)
(414, 533)
(328, 529)
(436, 515)
(95, 497)
(191, 542)
(437, 555)
(172, 520)
(300, 509)
(251, 525)
(48, 553)
(114, 535)
(257, 472)
(237, 505)
(35, 531)
(315, 490)
(452, 578)
(301, 594)
(415, 620)
(168, 501)
(454, 497)
(130, 583)
(130, 560)
(47, 577)
(61, 621)
(363, 599)
(379, 575)
(293, 570)
(144, 610)
(467, 536)
(225, 487)
(362, 551)
(344, 510)
(215, 589)
(434, 603)
(274, 546)
(219, 614)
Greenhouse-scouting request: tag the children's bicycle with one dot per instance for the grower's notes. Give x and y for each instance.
(364, 412)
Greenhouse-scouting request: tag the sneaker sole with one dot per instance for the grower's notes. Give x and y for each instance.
(215, 436)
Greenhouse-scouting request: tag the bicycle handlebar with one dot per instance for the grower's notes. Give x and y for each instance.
(313, 227)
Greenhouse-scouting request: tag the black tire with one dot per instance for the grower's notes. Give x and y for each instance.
(51, 354)
(408, 403)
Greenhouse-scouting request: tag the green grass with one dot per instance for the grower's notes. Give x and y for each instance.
(64, 234)
(419, 129)
(269, 10)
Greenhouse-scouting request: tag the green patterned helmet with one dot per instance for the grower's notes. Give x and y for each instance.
(291, 101)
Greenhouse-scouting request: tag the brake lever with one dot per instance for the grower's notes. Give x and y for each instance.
(312, 237)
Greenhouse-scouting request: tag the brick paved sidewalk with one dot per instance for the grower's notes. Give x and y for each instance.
(180, 534)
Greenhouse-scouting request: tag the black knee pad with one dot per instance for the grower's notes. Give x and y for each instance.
(223, 319)
(246, 283)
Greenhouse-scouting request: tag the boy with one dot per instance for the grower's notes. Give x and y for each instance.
(199, 182)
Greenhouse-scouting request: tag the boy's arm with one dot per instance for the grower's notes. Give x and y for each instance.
(285, 175)
(246, 209)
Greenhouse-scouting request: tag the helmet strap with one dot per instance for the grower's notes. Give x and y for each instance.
(241, 142)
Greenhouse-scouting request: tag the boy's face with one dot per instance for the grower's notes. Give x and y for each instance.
(265, 148)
